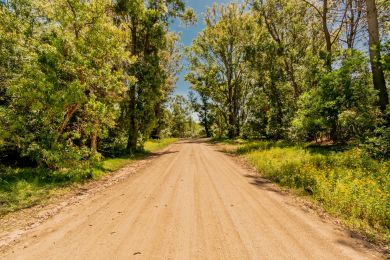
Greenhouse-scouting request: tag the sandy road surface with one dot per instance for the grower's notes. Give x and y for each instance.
(192, 202)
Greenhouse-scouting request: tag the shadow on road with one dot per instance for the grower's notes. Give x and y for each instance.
(262, 183)
(194, 140)
(159, 154)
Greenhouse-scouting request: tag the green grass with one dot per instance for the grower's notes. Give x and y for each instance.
(151, 146)
(346, 182)
(113, 164)
(26, 187)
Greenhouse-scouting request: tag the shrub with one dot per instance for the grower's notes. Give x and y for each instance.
(378, 146)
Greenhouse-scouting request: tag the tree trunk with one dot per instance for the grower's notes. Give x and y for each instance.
(375, 55)
(205, 108)
(231, 131)
(328, 57)
(207, 130)
(69, 114)
(206, 118)
(290, 72)
(94, 143)
(231, 118)
(133, 131)
(156, 132)
(333, 130)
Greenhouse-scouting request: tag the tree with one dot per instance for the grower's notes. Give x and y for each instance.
(64, 97)
(148, 41)
(219, 53)
(332, 17)
(182, 124)
(375, 55)
(284, 60)
(353, 22)
(342, 105)
(204, 110)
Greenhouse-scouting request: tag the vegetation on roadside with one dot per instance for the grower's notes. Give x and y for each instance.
(83, 86)
(85, 80)
(344, 180)
(309, 78)
(294, 70)
(26, 187)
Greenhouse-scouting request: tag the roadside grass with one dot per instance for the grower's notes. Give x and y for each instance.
(344, 181)
(22, 188)
(113, 164)
(156, 145)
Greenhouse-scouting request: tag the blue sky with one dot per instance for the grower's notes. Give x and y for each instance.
(189, 33)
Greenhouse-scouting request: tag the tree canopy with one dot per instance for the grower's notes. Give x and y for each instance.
(294, 69)
(80, 80)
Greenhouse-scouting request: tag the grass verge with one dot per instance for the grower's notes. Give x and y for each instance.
(344, 181)
(26, 187)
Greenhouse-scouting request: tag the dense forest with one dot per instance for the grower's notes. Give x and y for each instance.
(82, 79)
(294, 69)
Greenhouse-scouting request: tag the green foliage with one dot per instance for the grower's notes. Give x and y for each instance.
(218, 68)
(66, 91)
(155, 66)
(70, 86)
(181, 121)
(154, 145)
(68, 69)
(342, 106)
(267, 72)
(25, 187)
(378, 146)
(204, 110)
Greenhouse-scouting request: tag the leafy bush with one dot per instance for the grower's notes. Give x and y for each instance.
(341, 106)
(379, 146)
(25, 187)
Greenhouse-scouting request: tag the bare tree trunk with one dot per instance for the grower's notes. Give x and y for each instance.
(354, 13)
(375, 55)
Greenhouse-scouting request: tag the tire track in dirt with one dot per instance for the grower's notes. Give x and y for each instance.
(191, 202)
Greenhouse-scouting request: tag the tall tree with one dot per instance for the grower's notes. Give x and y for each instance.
(375, 54)
(203, 108)
(148, 40)
(219, 51)
(332, 16)
(64, 97)
(353, 22)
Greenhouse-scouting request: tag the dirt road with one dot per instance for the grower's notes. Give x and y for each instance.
(192, 202)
